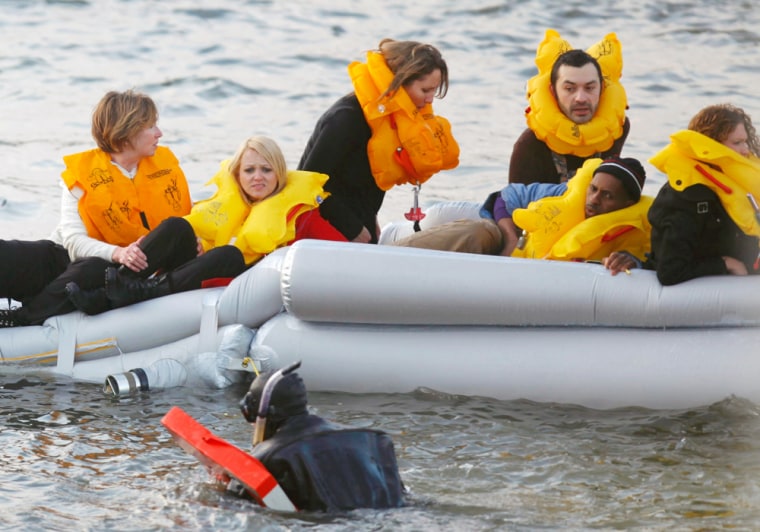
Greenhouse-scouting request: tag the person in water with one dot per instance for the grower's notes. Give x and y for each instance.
(258, 207)
(576, 111)
(703, 219)
(113, 196)
(382, 134)
(598, 215)
(321, 466)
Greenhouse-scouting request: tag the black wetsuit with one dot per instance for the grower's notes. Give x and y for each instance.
(325, 467)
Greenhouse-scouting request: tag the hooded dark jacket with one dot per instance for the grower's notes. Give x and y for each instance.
(325, 467)
(692, 232)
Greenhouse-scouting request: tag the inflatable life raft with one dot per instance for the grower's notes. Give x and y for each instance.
(387, 319)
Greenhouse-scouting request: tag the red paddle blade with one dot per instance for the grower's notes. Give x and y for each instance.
(225, 461)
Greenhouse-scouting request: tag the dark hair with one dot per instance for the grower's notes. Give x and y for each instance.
(410, 61)
(577, 59)
(119, 116)
(629, 171)
(719, 121)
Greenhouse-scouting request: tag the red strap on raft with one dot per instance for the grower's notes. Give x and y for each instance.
(226, 461)
(216, 281)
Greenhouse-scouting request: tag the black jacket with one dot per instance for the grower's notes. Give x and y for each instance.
(325, 467)
(692, 232)
(338, 148)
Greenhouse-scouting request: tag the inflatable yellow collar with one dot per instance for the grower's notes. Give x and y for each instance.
(692, 158)
(550, 124)
(228, 218)
(559, 230)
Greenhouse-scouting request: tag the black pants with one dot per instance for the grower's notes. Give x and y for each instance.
(27, 267)
(171, 247)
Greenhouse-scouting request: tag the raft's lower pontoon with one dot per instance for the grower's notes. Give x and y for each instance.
(389, 319)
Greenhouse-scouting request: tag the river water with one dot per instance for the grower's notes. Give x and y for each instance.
(72, 458)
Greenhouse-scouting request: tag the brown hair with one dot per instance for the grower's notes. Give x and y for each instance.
(410, 61)
(719, 121)
(119, 116)
(270, 151)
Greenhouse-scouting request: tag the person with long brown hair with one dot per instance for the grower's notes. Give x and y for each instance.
(382, 134)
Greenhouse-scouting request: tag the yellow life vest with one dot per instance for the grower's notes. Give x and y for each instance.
(113, 205)
(228, 218)
(558, 228)
(550, 124)
(408, 145)
(692, 158)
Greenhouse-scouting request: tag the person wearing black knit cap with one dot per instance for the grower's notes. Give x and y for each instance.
(321, 466)
(630, 173)
(614, 184)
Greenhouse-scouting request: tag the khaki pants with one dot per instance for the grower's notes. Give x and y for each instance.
(481, 236)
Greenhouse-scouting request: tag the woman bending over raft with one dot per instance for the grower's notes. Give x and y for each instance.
(382, 134)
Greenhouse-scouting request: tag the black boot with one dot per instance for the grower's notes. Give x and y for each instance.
(123, 290)
(8, 318)
(88, 301)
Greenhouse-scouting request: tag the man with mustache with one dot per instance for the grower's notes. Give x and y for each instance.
(576, 111)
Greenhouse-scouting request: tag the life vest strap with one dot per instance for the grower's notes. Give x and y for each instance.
(725, 188)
